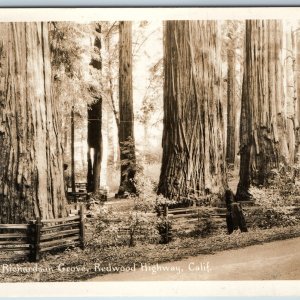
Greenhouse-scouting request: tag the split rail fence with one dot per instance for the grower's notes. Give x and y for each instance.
(29, 241)
(194, 214)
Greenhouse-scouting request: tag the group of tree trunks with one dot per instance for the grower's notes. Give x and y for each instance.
(194, 142)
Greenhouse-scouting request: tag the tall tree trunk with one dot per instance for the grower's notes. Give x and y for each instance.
(263, 142)
(231, 106)
(104, 163)
(193, 148)
(297, 108)
(31, 167)
(72, 150)
(94, 145)
(290, 89)
(126, 118)
(94, 135)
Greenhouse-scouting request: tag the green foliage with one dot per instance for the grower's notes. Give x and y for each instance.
(164, 227)
(104, 232)
(141, 226)
(76, 82)
(65, 48)
(205, 226)
(128, 150)
(275, 201)
(152, 100)
(286, 182)
(127, 225)
(274, 209)
(268, 217)
(116, 228)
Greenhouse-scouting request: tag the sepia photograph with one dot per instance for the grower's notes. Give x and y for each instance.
(149, 149)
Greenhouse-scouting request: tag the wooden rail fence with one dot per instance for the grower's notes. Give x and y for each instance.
(194, 214)
(195, 211)
(81, 195)
(29, 241)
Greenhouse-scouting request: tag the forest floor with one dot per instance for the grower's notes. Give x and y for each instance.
(98, 260)
(79, 265)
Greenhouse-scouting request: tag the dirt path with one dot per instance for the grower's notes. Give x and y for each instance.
(275, 260)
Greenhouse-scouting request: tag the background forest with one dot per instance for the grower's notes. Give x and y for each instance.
(133, 119)
(265, 138)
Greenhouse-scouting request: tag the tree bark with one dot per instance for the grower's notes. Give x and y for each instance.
(105, 147)
(193, 137)
(297, 108)
(31, 167)
(94, 136)
(231, 106)
(263, 142)
(126, 118)
(290, 89)
(94, 145)
(72, 151)
(113, 113)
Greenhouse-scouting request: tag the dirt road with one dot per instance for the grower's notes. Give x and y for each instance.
(275, 260)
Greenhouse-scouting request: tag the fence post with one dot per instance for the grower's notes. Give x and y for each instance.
(166, 211)
(34, 233)
(38, 226)
(30, 236)
(198, 218)
(82, 228)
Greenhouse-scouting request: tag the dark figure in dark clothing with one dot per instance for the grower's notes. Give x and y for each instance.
(234, 217)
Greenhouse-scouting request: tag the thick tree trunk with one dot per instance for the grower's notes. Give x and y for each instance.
(193, 149)
(94, 135)
(72, 151)
(31, 168)
(231, 106)
(105, 148)
(263, 142)
(113, 114)
(290, 90)
(245, 144)
(94, 145)
(126, 118)
(297, 108)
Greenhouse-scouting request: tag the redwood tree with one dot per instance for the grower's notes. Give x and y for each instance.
(31, 169)
(94, 137)
(231, 106)
(263, 142)
(297, 108)
(126, 118)
(193, 148)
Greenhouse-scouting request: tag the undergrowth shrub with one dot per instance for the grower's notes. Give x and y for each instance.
(164, 227)
(131, 223)
(286, 182)
(205, 225)
(275, 200)
(265, 218)
(273, 208)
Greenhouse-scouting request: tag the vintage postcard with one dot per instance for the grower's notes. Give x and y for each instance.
(150, 151)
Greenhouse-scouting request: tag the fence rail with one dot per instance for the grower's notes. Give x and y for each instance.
(28, 241)
(194, 214)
